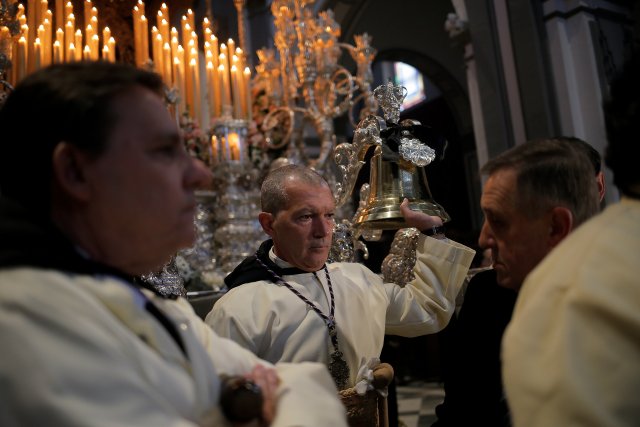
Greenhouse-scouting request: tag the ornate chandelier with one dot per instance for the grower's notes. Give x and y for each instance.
(306, 88)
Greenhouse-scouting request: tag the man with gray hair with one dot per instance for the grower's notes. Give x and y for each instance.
(571, 353)
(535, 195)
(287, 304)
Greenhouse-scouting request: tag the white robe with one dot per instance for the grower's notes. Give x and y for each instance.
(571, 354)
(272, 322)
(80, 351)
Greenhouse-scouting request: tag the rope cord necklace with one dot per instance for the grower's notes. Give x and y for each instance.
(338, 367)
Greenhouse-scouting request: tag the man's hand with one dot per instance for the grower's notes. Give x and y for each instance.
(268, 381)
(419, 220)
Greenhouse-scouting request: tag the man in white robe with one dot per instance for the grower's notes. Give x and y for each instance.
(286, 304)
(571, 354)
(96, 187)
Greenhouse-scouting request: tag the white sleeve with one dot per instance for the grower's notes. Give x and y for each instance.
(426, 304)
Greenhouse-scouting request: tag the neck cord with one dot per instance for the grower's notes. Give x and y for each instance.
(329, 320)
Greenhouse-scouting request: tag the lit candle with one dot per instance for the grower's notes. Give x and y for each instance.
(37, 52)
(105, 53)
(88, 31)
(60, 38)
(234, 146)
(68, 38)
(157, 55)
(166, 61)
(194, 56)
(231, 46)
(137, 36)
(78, 45)
(71, 54)
(144, 33)
(247, 93)
(95, 47)
(240, 54)
(111, 44)
(224, 85)
(179, 85)
(210, 87)
(22, 59)
(193, 68)
(86, 53)
(57, 52)
(40, 56)
(237, 100)
(213, 43)
(47, 42)
(106, 34)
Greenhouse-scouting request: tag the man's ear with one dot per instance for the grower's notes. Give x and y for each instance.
(561, 225)
(266, 221)
(68, 171)
(601, 185)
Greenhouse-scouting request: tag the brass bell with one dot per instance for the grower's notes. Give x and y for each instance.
(397, 166)
(391, 181)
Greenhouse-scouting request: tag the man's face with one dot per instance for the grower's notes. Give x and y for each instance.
(518, 243)
(142, 187)
(302, 231)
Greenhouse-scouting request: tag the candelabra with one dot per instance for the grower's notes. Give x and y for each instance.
(236, 181)
(307, 88)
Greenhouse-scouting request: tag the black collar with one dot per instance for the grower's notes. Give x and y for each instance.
(250, 269)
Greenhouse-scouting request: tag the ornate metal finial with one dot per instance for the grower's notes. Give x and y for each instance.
(415, 151)
(390, 97)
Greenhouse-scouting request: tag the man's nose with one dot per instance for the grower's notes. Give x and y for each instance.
(198, 175)
(485, 240)
(322, 227)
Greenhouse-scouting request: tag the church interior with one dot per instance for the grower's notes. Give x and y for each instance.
(299, 79)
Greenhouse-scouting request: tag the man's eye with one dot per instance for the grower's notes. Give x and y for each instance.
(496, 222)
(167, 150)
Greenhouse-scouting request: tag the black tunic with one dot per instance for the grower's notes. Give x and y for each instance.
(473, 386)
